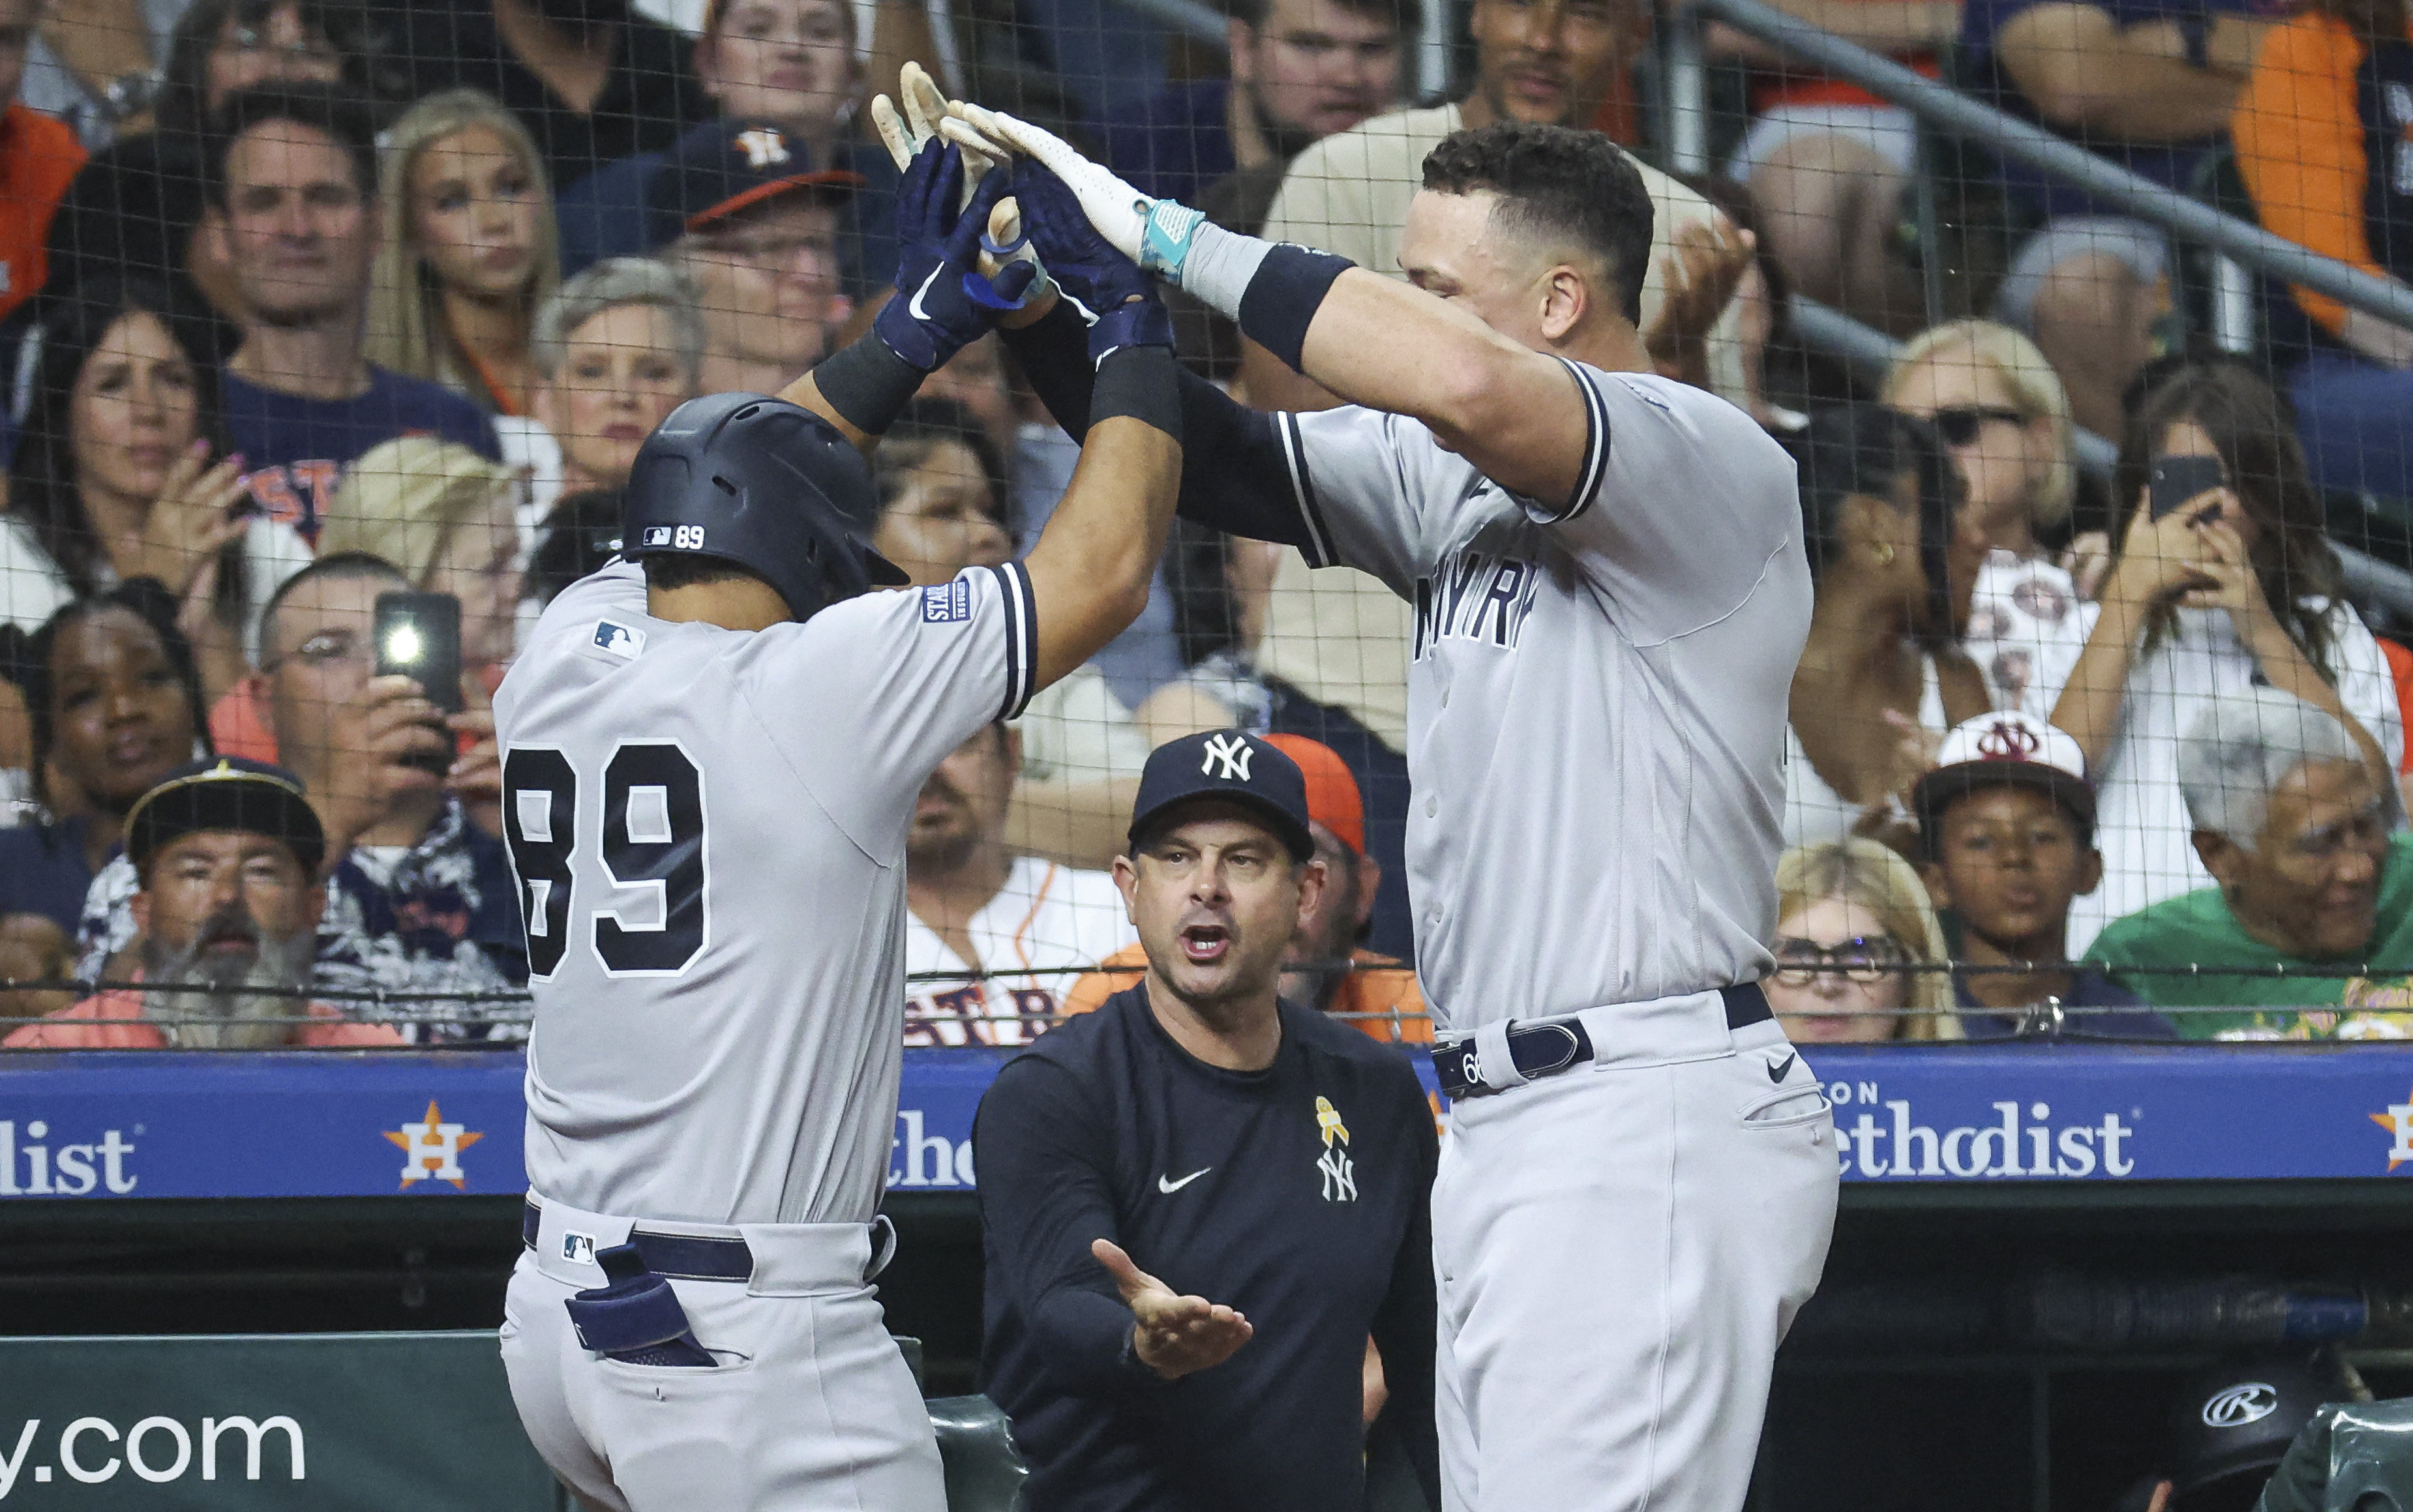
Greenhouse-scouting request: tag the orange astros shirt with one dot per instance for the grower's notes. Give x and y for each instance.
(38, 155)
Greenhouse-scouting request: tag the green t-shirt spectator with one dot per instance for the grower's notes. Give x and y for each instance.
(2197, 929)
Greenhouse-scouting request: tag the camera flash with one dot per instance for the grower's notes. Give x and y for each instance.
(402, 647)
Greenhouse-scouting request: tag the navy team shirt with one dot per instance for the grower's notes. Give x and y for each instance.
(295, 450)
(1297, 1195)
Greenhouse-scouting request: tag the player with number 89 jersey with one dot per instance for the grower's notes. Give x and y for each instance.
(712, 750)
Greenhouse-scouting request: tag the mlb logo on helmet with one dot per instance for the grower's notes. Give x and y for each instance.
(657, 535)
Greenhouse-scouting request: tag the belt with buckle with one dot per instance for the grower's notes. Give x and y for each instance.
(1547, 1047)
(681, 1256)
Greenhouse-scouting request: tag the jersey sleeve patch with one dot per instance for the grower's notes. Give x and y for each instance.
(625, 641)
(1021, 636)
(947, 603)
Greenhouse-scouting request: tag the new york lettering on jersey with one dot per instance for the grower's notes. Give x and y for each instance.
(1570, 662)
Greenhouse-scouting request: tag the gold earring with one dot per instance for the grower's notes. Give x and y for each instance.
(1884, 553)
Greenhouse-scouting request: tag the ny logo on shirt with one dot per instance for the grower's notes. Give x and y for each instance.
(1474, 595)
(1339, 1172)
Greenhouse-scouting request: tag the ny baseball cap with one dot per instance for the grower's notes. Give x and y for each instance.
(225, 793)
(722, 167)
(1231, 765)
(1332, 797)
(2005, 749)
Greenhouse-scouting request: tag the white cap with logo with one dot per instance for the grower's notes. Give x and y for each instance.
(2007, 748)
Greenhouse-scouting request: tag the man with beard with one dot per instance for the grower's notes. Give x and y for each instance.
(1006, 930)
(1326, 967)
(226, 851)
(1301, 71)
(1244, 1149)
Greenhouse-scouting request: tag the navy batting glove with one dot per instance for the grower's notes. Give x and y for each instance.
(937, 311)
(1117, 301)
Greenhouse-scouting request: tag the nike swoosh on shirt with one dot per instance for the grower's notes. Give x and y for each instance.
(1776, 1073)
(914, 308)
(1168, 1186)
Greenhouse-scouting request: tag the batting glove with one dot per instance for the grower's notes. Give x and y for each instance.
(1154, 233)
(1117, 301)
(935, 312)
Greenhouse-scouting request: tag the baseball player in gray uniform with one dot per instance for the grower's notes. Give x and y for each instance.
(1639, 1180)
(712, 750)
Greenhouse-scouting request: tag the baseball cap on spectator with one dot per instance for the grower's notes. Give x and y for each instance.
(1231, 765)
(225, 793)
(1332, 797)
(725, 167)
(2003, 749)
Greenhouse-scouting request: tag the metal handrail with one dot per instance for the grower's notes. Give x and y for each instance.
(2011, 136)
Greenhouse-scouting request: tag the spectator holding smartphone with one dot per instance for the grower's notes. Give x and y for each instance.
(2210, 594)
(2007, 821)
(419, 898)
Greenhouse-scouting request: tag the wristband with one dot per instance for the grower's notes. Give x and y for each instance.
(1164, 237)
(867, 384)
(1137, 383)
(1281, 300)
(1137, 323)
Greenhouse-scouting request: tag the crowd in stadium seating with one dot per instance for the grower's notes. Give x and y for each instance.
(367, 296)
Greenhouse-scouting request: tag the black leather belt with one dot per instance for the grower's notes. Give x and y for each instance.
(681, 1256)
(1545, 1050)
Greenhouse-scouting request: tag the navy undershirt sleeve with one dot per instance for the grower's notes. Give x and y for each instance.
(1037, 1139)
(1406, 1323)
(1235, 476)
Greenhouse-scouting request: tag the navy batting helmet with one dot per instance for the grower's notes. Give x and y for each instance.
(767, 485)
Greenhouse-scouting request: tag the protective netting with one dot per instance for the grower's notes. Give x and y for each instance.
(308, 307)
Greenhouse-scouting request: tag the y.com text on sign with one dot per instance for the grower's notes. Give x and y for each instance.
(93, 1451)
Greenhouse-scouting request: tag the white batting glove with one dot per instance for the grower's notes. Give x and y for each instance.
(1154, 233)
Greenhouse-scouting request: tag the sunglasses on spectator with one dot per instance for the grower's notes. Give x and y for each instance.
(1863, 959)
(1961, 425)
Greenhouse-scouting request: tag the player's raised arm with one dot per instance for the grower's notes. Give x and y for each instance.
(1090, 571)
(1514, 412)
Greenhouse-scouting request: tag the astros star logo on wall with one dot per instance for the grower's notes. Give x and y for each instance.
(2397, 1121)
(432, 1148)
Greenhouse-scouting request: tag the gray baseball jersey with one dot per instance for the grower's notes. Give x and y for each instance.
(1596, 694)
(708, 828)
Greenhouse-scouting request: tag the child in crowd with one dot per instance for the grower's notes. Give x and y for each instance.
(2006, 822)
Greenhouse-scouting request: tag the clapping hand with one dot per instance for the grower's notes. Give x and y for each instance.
(191, 519)
(1175, 1335)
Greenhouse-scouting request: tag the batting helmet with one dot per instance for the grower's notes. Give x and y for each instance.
(767, 485)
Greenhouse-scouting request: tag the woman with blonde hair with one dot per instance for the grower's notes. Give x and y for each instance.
(468, 250)
(446, 518)
(2005, 417)
(1852, 924)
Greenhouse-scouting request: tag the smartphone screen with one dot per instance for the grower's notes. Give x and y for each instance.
(2176, 480)
(419, 636)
